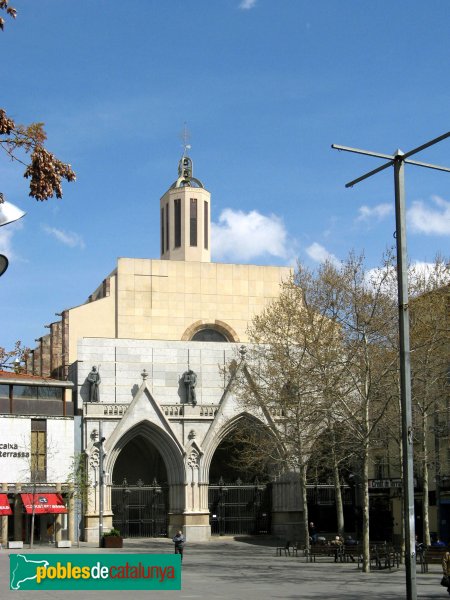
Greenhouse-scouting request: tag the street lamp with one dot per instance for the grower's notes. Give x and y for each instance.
(398, 161)
(8, 214)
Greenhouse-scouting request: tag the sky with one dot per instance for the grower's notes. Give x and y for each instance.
(264, 87)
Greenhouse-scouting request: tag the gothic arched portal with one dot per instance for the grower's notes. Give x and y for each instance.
(239, 495)
(144, 463)
(139, 461)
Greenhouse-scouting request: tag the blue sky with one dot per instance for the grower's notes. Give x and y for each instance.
(265, 86)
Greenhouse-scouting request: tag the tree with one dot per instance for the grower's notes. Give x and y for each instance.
(9, 10)
(324, 355)
(79, 486)
(44, 169)
(430, 293)
(361, 380)
(279, 378)
(15, 358)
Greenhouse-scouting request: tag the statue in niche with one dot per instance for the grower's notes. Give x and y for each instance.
(94, 382)
(190, 381)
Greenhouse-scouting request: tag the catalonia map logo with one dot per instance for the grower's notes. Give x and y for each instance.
(95, 572)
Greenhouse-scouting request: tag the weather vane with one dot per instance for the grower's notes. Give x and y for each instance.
(185, 137)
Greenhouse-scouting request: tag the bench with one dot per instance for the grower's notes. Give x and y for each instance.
(433, 554)
(286, 548)
(289, 548)
(315, 550)
(381, 556)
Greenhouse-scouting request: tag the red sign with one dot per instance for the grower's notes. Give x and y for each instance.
(5, 508)
(43, 503)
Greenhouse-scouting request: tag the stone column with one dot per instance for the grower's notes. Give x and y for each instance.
(71, 525)
(58, 520)
(4, 527)
(18, 514)
(194, 518)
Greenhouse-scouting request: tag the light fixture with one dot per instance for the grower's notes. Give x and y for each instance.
(8, 212)
(3, 264)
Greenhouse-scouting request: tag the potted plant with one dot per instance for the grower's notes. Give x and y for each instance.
(112, 539)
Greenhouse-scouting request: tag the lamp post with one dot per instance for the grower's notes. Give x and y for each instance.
(398, 161)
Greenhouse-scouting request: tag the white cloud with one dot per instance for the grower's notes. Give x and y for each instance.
(425, 275)
(320, 254)
(382, 278)
(423, 218)
(247, 4)
(244, 236)
(375, 213)
(69, 238)
(422, 276)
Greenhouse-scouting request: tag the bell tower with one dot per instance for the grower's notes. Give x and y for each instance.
(185, 217)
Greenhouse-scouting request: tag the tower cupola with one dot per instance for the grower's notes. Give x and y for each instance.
(185, 216)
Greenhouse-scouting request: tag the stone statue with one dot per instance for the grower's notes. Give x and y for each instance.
(190, 381)
(94, 382)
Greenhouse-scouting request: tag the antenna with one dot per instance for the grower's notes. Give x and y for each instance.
(185, 138)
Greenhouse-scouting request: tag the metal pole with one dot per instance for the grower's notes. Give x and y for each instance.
(100, 483)
(398, 161)
(405, 378)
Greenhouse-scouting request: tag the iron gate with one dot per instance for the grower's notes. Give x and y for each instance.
(140, 510)
(239, 508)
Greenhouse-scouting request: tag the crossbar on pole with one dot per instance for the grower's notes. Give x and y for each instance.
(427, 145)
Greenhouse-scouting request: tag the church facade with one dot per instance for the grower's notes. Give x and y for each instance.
(149, 355)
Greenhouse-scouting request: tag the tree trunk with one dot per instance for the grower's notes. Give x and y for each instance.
(305, 504)
(365, 510)
(425, 475)
(338, 496)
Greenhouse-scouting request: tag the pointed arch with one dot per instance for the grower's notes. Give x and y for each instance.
(224, 431)
(170, 452)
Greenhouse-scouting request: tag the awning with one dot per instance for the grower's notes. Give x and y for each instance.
(43, 503)
(5, 508)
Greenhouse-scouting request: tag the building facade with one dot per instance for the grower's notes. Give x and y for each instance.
(148, 353)
(37, 444)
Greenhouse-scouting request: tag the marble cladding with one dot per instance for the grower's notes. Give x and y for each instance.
(121, 362)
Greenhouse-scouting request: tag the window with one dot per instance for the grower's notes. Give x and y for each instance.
(205, 225)
(4, 390)
(209, 335)
(34, 392)
(38, 450)
(381, 467)
(25, 392)
(177, 215)
(162, 230)
(50, 393)
(193, 222)
(167, 227)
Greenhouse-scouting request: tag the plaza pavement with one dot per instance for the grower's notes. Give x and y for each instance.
(241, 569)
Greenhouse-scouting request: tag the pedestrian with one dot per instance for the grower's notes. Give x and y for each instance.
(338, 545)
(446, 567)
(438, 543)
(179, 541)
(312, 533)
